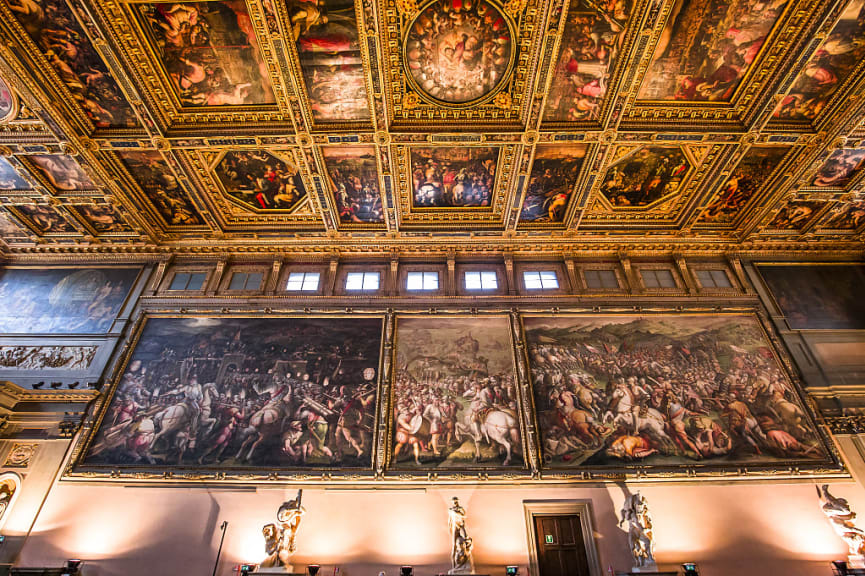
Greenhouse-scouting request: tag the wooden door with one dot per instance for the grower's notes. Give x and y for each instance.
(561, 550)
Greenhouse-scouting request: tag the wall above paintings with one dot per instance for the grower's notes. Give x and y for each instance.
(397, 127)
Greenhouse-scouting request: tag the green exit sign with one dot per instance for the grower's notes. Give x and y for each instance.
(548, 538)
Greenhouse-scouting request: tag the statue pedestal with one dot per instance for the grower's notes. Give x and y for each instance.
(284, 570)
(648, 567)
(855, 561)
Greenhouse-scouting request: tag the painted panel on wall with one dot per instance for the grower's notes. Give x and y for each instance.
(664, 390)
(62, 300)
(454, 399)
(818, 297)
(210, 392)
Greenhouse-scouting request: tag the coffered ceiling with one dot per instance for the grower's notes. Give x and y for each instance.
(408, 126)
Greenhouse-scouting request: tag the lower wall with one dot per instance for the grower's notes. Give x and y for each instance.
(737, 529)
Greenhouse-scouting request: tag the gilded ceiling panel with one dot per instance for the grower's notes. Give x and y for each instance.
(832, 64)
(260, 181)
(10, 179)
(551, 184)
(353, 182)
(102, 219)
(44, 219)
(591, 45)
(839, 169)
(161, 187)
(845, 216)
(795, 215)
(60, 173)
(64, 45)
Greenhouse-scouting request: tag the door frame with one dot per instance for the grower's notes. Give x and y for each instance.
(583, 508)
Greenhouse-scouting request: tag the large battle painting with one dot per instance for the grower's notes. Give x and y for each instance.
(645, 176)
(9, 177)
(62, 300)
(209, 51)
(454, 177)
(353, 178)
(590, 46)
(328, 48)
(63, 42)
(161, 187)
(62, 172)
(245, 392)
(746, 179)
(663, 391)
(551, 183)
(457, 51)
(818, 297)
(44, 219)
(260, 180)
(707, 48)
(455, 403)
(829, 67)
(795, 215)
(839, 168)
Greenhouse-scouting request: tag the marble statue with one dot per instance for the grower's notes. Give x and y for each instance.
(461, 544)
(279, 537)
(635, 511)
(838, 511)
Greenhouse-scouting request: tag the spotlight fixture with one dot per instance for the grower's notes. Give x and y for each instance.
(313, 569)
(690, 569)
(74, 385)
(38, 385)
(406, 571)
(56, 385)
(72, 568)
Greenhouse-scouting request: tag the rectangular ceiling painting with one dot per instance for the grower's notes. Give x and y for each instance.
(209, 51)
(707, 47)
(161, 187)
(353, 178)
(455, 177)
(830, 66)
(63, 42)
(455, 405)
(331, 64)
(214, 392)
(554, 173)
(664, 391)
(590, 46)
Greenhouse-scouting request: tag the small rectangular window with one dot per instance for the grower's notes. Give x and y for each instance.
(245, 281)
(188, 281)
(713, 279)
(422, 281)
(658, 278)
(303, 281)
(362, 281)
(601, 279)
(542, 280)
(481, 280)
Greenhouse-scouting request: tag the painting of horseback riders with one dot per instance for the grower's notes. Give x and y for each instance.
(663, 390)
(204, 392)
(455, 403)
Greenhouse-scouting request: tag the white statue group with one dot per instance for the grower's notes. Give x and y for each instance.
(280, 537)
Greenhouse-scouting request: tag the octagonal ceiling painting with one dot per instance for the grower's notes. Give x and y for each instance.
(645, 176)
(260, 181)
